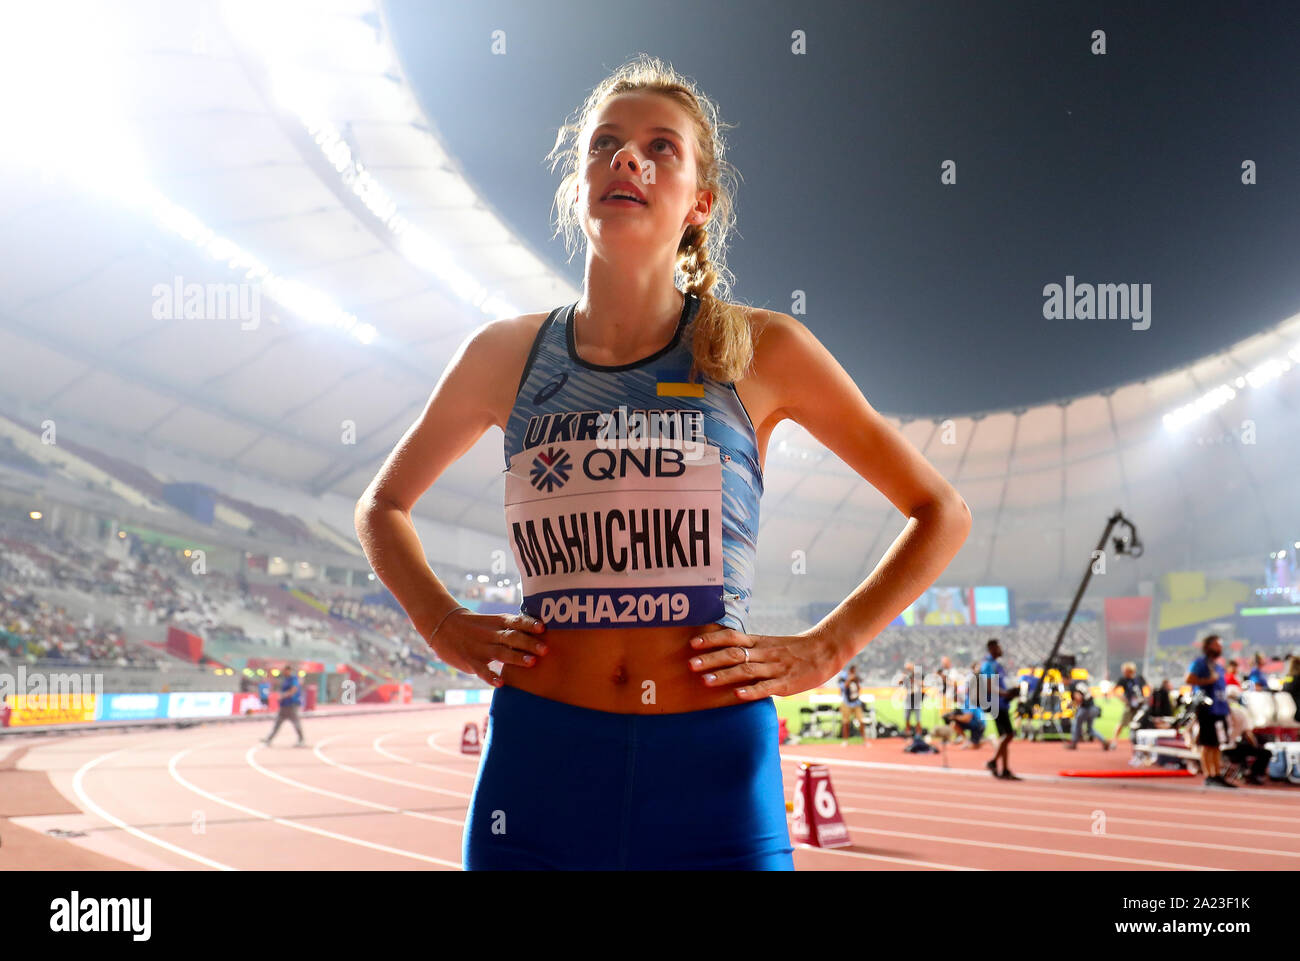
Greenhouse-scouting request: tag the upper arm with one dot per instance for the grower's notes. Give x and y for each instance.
(809, 386)
(470, 396)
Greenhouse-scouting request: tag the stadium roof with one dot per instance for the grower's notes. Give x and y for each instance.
(169, 144)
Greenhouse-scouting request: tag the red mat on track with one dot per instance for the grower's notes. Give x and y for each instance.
(1142, 772)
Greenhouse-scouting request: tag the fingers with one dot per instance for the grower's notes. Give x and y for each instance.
(522, 622)
(726, 657)
(723, 638)
(504, 653)
(762, 689)
(743, 673)
(524, 643)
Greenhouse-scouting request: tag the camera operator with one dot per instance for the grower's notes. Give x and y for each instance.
(1085, 712)
(1212, 712)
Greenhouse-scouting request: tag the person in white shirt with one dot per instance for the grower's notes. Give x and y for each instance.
(1243, 748)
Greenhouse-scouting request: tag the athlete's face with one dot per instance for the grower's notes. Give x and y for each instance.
(647, 140)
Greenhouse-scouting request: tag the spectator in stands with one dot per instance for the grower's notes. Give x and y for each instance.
(851, 703)
(1131, 687)
(290, 700)
(1086, 712)
(1211, 709)
(1230, 678)
(1245, 750)
(1162, 700)
(997, 685)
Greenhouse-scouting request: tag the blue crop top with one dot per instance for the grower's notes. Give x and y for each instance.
(631, 495)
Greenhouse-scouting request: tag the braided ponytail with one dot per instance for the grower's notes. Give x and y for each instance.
(722, 345)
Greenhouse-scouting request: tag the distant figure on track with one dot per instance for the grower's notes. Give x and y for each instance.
(997, 685)
(1211, 709)
(290, 700)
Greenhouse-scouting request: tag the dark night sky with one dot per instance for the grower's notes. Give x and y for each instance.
(1123, 168)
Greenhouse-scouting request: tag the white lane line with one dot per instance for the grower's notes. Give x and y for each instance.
(122, 825)
(348, 798)
(1051, 795)
(432, 741)
(382, 777)
(892, 794)
(999, 846)
(1107, 836)
(881, 857)
(406, 760)
(310, 829)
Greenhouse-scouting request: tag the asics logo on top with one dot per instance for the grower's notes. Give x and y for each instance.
(550, 390)
(551, 469)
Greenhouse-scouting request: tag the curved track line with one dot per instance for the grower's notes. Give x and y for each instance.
(1055, 852)
(1072, 832)
(432, 739)
(122, 825)
(407, 760)
(263, 815)
(883, 857)
(1044, 793)
(383, 777)
(948, 804)
(347, 798)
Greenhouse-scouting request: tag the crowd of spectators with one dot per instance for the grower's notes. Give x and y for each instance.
(148, 585)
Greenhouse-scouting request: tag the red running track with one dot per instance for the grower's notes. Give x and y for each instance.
(383, 792)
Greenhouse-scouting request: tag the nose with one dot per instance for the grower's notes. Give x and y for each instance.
(626, 157)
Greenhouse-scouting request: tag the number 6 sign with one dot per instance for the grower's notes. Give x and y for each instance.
(816, 815)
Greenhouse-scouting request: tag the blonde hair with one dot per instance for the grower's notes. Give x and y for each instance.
(722, 345)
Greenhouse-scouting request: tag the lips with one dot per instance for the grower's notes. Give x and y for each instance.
(623, 187)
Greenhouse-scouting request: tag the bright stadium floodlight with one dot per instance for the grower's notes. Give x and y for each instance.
(308, 57)
(1259, 376)
(72, 126)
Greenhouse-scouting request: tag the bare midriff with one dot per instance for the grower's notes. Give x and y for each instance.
(644, 670)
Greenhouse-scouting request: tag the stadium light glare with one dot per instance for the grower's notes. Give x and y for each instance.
(1266, 372)
(304, 55)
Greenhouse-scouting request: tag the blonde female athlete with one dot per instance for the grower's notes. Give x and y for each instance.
(632, 724)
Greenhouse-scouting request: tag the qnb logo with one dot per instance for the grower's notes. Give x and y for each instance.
(550, 390)
(551, 469)
(76, 914)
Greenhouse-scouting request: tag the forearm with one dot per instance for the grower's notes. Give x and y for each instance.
(923, 550)
(388, 537)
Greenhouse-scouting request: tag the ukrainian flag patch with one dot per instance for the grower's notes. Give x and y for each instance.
(673, 383)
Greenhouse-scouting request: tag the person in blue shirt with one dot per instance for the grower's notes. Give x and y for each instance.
(290, 701)
(1001, 708)
(1212, 710)
(968, 719)
(264, 692)
(1257, 679)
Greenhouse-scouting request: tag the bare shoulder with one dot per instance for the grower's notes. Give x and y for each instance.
(776, 337)
(494, 355)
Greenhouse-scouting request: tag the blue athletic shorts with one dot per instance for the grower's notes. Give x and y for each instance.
(567, 788)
